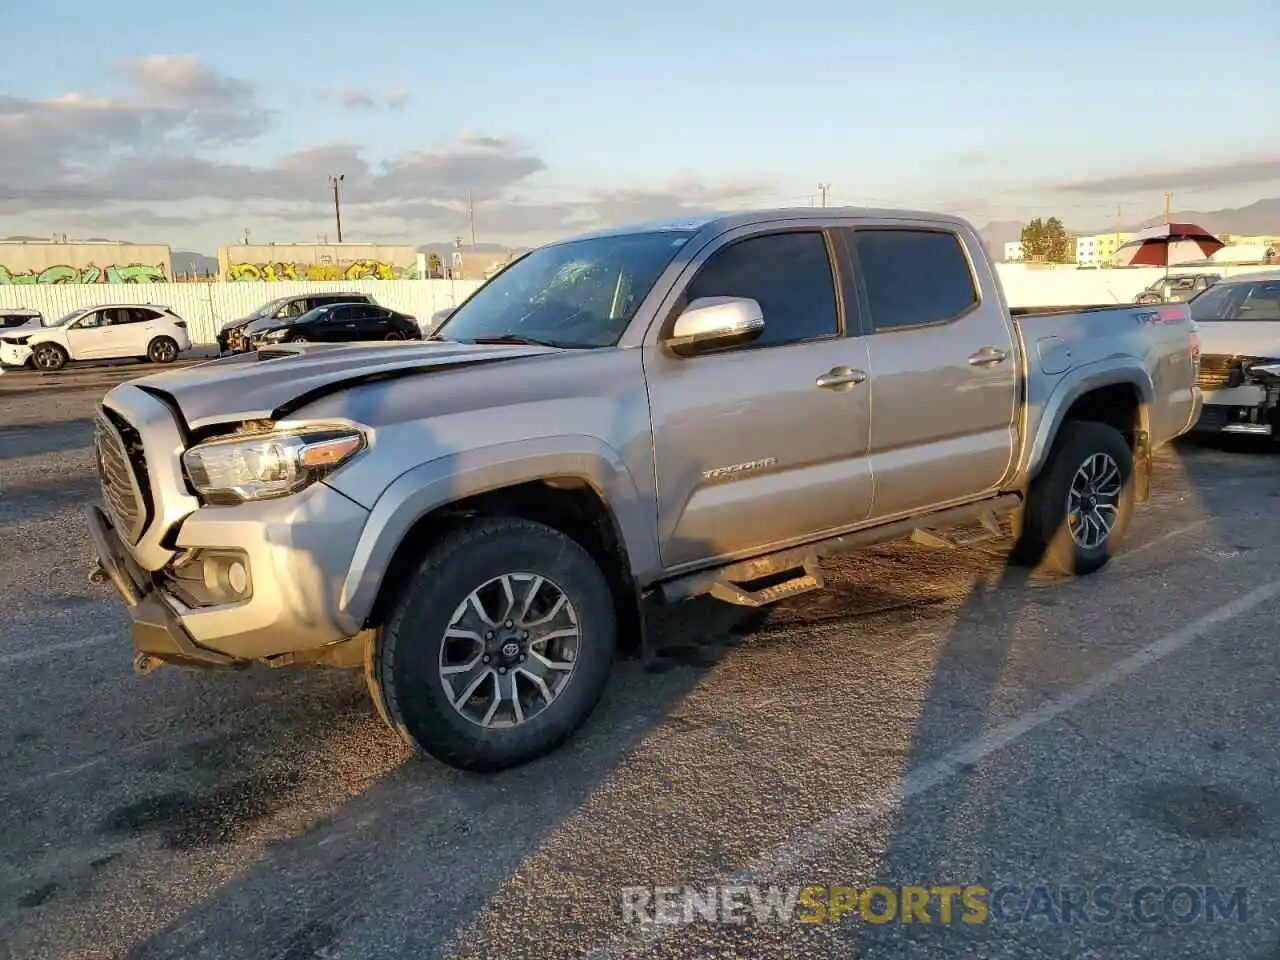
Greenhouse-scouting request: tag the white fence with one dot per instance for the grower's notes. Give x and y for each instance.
(207, 306)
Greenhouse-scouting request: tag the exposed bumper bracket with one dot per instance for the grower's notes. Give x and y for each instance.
(157, 633)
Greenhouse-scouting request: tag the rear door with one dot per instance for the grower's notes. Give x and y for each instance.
(944, 370)
(754, 449)
(137, 328)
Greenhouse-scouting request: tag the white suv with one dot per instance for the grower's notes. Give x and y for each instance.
(98, 333)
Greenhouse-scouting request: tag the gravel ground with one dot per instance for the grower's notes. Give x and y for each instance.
(931, 719)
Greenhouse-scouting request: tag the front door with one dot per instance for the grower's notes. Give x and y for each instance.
(94, 336)
(944, 368)
(752, 452)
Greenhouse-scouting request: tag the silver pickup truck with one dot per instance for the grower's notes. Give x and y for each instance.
(636, 416)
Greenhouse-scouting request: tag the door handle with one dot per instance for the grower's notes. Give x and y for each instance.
(987, 355)
(838, 377)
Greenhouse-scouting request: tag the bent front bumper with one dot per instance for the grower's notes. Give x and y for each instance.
(157, 631)
(1249, 409)
(294, 554)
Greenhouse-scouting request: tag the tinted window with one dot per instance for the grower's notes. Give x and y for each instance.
(1215, 303)
(788, 274)
(1262, 302)
(914, 277)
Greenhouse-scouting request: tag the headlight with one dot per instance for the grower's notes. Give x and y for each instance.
(268, 465)
(273, 336)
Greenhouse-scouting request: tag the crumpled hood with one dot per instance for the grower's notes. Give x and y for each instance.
(1239, 338)
(272, 382)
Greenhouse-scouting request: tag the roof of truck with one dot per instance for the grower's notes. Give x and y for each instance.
(728, 220)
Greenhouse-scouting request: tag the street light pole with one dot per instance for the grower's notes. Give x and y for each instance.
(337, 205)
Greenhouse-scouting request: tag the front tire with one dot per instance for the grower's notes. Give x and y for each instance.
(499, 647)
(49, 357)
(1080, 505)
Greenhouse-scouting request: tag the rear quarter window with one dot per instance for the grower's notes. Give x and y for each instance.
(914, 278)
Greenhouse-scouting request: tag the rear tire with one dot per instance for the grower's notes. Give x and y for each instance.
(49, 357)
(162, 350)
(543, 676)
(1079, 506)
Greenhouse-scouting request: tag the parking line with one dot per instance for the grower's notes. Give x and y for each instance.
(1164, 537)
(37, 653)
(856, 817)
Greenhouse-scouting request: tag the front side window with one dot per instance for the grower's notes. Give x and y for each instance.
(788, 274)
(583, 293)
(1262, 301)
(914, 278)
(91, 321)
(1215, 303)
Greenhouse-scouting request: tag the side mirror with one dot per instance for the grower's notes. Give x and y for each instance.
(713, 323)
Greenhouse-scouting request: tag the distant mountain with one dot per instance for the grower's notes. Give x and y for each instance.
(1257, 219)
(189, 262)
(445, 247)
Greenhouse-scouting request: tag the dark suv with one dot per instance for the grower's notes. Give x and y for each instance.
(234, 336)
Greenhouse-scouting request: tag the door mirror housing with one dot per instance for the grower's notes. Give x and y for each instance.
(714, 323)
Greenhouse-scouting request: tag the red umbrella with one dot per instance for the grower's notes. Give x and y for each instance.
(1167, 244)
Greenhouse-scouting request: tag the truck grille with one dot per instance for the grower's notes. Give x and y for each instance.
(1219, 372)
(122, 474)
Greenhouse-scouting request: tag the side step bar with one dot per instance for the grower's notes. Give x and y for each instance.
(804, 563)
(808, 577)
(932, 538)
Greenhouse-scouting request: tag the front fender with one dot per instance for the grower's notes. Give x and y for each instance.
(1074, 385)
(453, 477)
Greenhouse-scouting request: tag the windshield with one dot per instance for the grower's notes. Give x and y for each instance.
(1213, 303)
(577, 294)
(269, 309)
(64, 320)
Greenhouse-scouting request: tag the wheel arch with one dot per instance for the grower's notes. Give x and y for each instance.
(1117, 394)
(589, 496)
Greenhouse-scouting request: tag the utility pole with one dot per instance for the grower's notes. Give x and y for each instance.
(1168, 199)
(471, 217)
(337, 204)
(822, 191)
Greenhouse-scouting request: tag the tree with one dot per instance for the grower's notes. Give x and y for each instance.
(1047, 241)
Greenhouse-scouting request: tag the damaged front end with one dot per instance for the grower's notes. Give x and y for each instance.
(1241, 395)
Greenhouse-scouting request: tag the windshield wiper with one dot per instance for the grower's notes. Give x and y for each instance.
(514, 338)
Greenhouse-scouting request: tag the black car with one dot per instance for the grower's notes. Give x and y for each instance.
(235, 336)
(339, 323)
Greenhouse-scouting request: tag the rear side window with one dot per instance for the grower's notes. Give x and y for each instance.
(788, 274)
(914, 278)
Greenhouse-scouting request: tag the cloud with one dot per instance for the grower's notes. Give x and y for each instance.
(154, 157)
(183, 80)
(354, 98)
(1207, 177)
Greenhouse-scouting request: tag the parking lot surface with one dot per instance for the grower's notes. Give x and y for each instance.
(932, 719)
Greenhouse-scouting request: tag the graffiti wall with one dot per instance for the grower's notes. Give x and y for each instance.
(269, 272)
(279, 262)
(44, 263)
(111, 273)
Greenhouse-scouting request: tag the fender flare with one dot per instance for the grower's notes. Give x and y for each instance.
(447, 479)
(1111, 372)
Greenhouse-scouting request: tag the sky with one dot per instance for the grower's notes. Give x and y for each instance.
(190, 124)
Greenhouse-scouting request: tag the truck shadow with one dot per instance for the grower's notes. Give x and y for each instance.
(952, 832)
